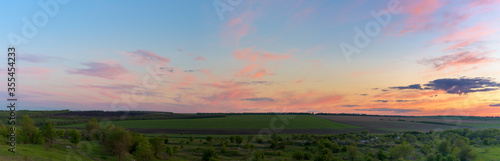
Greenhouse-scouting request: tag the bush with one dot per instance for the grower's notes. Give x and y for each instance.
(258, 156)
(209, 154)
(74, 136)
(209, 139)
(298, 155)
(307, 156)
(143, 151)
(118, 141)
(157, 145)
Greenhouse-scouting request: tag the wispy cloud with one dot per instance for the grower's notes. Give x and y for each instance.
(459, 60)
(258, 99)
(102, 70)
(349, 106)
(144, 57)
(32, 58)
(413, 86)
(253, 56)
(395, 110)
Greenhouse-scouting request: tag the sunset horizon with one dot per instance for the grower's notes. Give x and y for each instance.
(408, 58)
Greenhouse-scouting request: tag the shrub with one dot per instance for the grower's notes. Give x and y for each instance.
(75, 136)
(298, 155)
(209, 154)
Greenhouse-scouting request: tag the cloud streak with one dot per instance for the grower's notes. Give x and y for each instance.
(102, 70)
(395, 110)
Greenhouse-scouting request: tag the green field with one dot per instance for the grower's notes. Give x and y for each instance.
(235, 122)
(488, 153)
(482, 125)
(39, 153)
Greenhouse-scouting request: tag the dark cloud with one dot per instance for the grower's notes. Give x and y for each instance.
(390, 110)
(404, 100)
(364, 94)
(374, 88)
(463, 85)
(495, 105)
(258, 99)
(384, 101)
(458, 86)
(167, 69)
(251, 109)
(413, 86)
(191, 71)
(349, 106)
(262, 82)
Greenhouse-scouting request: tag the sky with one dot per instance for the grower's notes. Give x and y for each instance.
(389, 57)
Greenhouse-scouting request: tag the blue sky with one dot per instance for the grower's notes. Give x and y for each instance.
(263, 56)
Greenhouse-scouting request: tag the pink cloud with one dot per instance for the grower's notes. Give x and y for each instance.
(238, 27)
(247, 54)
(209, 73)
(200, 58)
(40, 71)
(302, 15)
(459, 60)
(102, 70)
(420, 15)
(253, 71)
(468, 34)
(144, 57)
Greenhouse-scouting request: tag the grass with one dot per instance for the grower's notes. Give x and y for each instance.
(482, 125)
(38, 152)
(488, 153)
(236, 122)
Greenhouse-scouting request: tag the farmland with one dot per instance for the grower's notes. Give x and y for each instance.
(235, 122)
(402, 123)
(237, 136)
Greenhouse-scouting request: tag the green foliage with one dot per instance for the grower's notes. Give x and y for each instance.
(74, 136)
(426, 149)
(209, 154)
(29, 133)
(239, 139)
(48, 132)
(171, 151)
(402, 150)
(209, 139)
(90, 130)
(118, 141)
(352, 152)
(444, 147)
(258, 156)
(60, 133)
(308, 156)
(381, 155)
(467, 153)
(157, 145)
(143, 151)
(298, 155)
